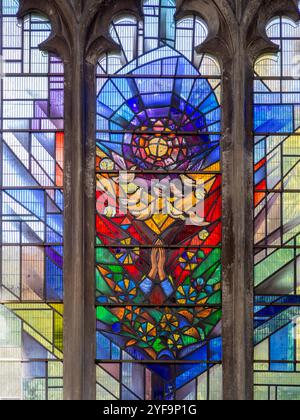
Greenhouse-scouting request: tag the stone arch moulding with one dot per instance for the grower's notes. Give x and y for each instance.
(220, 23)
(98, 39)
(62, 24)
(255, 21)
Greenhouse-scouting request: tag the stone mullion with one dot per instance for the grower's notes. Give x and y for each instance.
(90, 233)
(79, 319)
(237, 226)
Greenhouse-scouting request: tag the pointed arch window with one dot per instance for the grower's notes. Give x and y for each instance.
(160, 95)
(158, 268)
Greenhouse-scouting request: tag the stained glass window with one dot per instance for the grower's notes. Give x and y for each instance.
(31, 206)
(158, 269)
(277, 209)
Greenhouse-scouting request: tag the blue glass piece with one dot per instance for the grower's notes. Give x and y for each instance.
(110, 146)
(125, 113)
(167, 24)
(10, 7)
(213, 116)
(115, 127)
(282, 347)
(183, 88)
(59, 199)
(115, 351)
(146, 286)
(14, 173)
(55, 221)
(104, 111)
(103, 347)
(134, 104)
(185, 68)
(267, 98)
(214, 128)
(169, 66)
(209, 104)
(53, 237)
(110, 96)
(274, 119)
(47, 140)
(215, 349)
(32, 349)
(157, 100)
(126, 86)
(32, 200)
(272, 320)
(260, 151)
(260, 175)
(153, 56)
(259, 86)
(128, 395)
(34, 370)
(101, 123)
(201, 90)
(190, 374)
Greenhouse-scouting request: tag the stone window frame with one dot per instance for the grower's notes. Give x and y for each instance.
(237, 37)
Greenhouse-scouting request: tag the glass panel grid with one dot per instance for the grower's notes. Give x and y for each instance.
(158, 278)
(277, 224)
(31, 211)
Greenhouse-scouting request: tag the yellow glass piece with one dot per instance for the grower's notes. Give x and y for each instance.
(107, 165)
(159, 223)
(149, 327)
(40, 321)
(214, 168)
(160, 219)
(158, 147)
(203, 235)
(58, 331)
(58, 307)
(126, 241)
(58, 354)
(168, 223)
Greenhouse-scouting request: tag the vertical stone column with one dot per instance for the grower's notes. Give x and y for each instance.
(237, 226)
